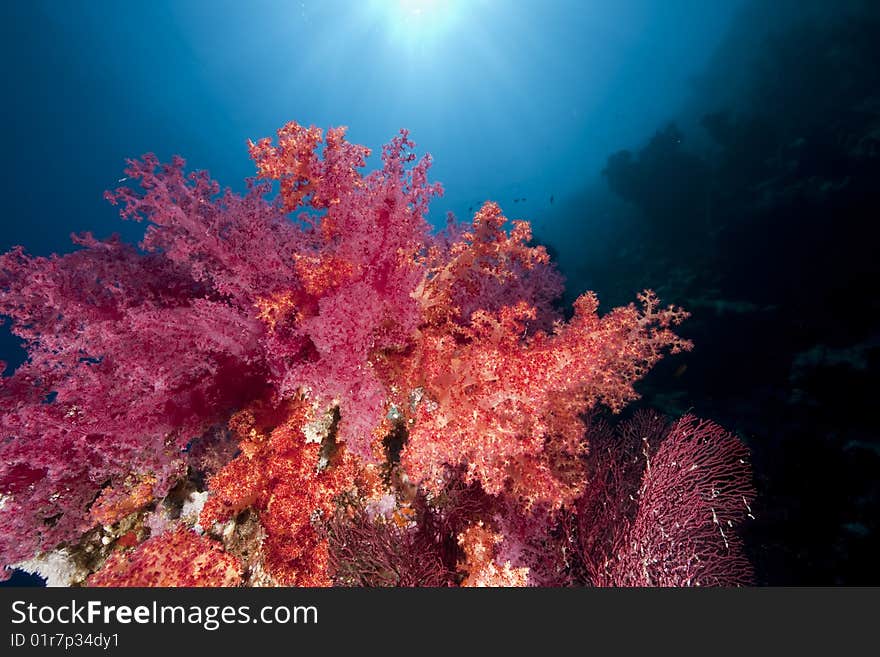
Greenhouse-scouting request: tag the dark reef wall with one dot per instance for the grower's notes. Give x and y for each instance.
(756, 209)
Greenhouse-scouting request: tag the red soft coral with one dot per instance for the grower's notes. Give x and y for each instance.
(509, 404)
(175, 558)
(281, 476)
(484, 268)
(234, 313)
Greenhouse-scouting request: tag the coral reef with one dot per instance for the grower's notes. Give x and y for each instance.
(311, 388)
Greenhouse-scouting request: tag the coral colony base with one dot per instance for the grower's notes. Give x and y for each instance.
(309, 388)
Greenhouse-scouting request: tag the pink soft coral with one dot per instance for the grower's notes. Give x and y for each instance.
(509, 404)
(360, 264)
(447, 352)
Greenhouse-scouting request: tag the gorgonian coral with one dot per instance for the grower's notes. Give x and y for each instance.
(343, 391)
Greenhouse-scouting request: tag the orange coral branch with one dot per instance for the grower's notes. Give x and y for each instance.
(176, 558)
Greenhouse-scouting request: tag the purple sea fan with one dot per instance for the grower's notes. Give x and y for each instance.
(368, 551)
(679, 527)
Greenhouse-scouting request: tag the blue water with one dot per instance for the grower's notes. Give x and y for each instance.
(515, 99)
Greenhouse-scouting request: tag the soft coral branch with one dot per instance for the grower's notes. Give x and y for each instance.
(280, 476)
(509, 404)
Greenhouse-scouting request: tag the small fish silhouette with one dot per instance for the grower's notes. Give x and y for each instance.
(681, 369)
(551, 199)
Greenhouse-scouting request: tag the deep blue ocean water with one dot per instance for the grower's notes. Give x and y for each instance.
(518, 99)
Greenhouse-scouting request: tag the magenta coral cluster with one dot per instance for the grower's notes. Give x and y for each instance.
(311, 387)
